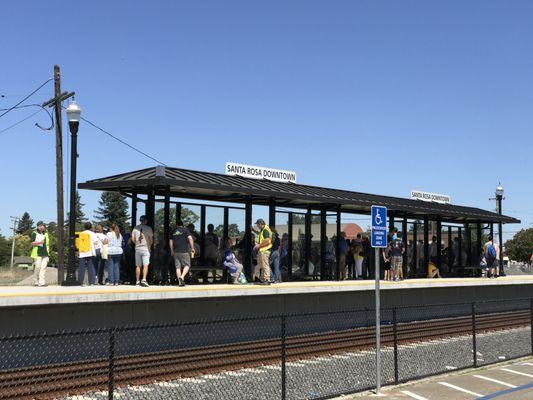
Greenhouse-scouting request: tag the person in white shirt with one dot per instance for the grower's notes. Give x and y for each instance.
(114, 253)
(142, 237)
(87, 258)
(100, 257)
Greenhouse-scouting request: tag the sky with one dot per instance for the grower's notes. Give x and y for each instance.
(378, 97)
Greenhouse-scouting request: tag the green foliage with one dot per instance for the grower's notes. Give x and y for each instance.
(299, 219)
(80, 215)
(520, 247)
(113, 208)
(5, 250)
(187, 217)
(233, 231)
(25, 225)
(22, 245)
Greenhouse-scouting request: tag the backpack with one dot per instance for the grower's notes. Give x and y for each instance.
(490, 253)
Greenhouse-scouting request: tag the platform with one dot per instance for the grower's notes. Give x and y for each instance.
(30, 296)
(35, 309)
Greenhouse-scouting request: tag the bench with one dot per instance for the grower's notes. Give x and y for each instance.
(202, 271)
(468, 270)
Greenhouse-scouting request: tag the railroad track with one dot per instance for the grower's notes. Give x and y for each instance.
(56, 380)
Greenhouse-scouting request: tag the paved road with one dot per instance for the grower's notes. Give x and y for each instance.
(513, 381)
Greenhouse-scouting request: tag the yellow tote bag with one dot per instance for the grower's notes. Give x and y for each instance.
(83, 242)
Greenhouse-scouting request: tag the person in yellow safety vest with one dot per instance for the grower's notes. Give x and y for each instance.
(263, 246)
(40, 253)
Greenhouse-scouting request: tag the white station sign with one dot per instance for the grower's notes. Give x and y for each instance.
(249, 171)
(432, 197)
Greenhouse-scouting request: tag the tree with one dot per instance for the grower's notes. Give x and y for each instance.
(187, 217)
(113, 208)
(25, 225)
(80, 215)
(233, 230)
(299, 219)
(520, 247)
(5, 250)
(22, 245)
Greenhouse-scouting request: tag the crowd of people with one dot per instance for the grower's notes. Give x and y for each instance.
(105, 248)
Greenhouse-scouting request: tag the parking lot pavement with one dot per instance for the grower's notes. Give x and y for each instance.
(509, 381)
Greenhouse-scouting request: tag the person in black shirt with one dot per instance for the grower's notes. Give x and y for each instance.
(181, 249)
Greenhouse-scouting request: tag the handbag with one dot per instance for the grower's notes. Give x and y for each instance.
(104, 251)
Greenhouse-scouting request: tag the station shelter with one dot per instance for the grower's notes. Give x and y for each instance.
(306, 216)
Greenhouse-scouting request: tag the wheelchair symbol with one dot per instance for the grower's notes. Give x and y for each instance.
(378, 219)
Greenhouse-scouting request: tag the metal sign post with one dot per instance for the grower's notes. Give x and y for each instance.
(378, 240)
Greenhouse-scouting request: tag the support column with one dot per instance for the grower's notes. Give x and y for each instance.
(289, 245)
(439, 242)
(150, 215)
(272, 213)
(307, 242)
(426, 246)
(338, 245)
(460, 247)
(500, 243)
(492, 229)
(202, 234)
(450, 250)
(166, 238)
(130, 255)
(391, 221)
(225, 230)
(478, 242)
(134, 200)
(248, 238)
(323, 244)
(405, 255)
(468, 244)
(416, 267)
(178, 212)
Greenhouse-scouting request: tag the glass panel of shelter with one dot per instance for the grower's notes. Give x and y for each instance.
(301, 232)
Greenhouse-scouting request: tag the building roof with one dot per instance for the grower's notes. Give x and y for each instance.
(185, 183)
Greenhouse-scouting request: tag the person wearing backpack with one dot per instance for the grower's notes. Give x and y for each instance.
(491, 253)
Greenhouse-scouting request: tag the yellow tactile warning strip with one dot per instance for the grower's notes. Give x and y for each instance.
(414, 283)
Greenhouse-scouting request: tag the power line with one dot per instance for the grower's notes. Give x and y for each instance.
(123, 142)
(28, 117)
(20, 122)
(25, 98)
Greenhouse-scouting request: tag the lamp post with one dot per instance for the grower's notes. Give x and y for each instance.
(499, 198)
(73, 113)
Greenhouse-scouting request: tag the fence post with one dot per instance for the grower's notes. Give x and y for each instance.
(531, 322)
(395, 337)
(283, 359)
(474, 343)
(111, 371)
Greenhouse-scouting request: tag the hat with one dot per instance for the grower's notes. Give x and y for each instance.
(143, 217)
(40, 223)
(260, 221)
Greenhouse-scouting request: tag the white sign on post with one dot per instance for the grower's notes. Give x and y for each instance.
(432, 197)
(250, 171)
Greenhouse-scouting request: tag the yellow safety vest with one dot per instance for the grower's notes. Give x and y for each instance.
(261, 238)
(35, 249)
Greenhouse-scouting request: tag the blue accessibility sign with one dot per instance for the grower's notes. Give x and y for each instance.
(379, 227)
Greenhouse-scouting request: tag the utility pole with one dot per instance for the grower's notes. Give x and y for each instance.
(59, 175)
(15, 221)
(56, 103)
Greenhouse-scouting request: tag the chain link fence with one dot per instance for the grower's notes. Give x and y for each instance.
(293, 356)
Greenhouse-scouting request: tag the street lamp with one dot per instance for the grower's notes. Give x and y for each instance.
(73, 113)
(499, 198)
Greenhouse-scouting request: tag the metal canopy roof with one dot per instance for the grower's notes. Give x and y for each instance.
(218, 187)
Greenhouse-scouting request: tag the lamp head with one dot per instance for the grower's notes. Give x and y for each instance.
(499, 190)
(73, 112)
